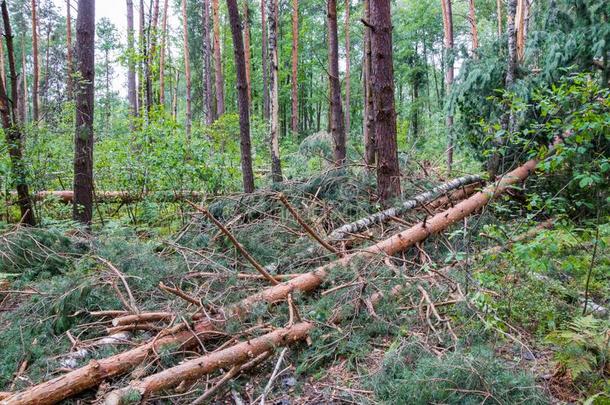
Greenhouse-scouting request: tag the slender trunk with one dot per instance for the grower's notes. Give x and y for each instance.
(13, 127)
(152, 52)
(187, 70)
(107, 106)
(264, 60)
(23, 102)
(162, 55)
(370, 151)
(175, 98)
(276, 165)
(242, 97)
(388, 172)
(131, 69)
(36, 71)
(141, 57)
(207, 65)
(247, 55)
(83, 139)
(69, 79)
(448, 43)
(499, 16)
(472, 17)
(295, 60)
(337, 127)
(521, 16)
(348, 89)
(220, 98)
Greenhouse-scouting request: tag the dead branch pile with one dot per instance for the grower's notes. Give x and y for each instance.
(209, 323)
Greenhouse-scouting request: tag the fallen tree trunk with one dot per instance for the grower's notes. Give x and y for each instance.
(89, 376)
(384, 216)
(125, 197)
(196, 368)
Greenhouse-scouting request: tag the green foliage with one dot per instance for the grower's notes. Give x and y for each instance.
(583, 346)
(410, 375)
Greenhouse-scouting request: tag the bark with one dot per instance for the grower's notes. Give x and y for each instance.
(472, 17)
(2, 61)
(36, 72)
(69, 79)
(96, 371)
(187, 71)
(370, 152)
(83, 139)
(207, 65)
(152, 52)
(264, 60)
(162, 55)
(337, 127)
(194, 369)
(219, 80)
(499, 16)
(131, 69)
(347, 69)
(388, 172)
(294, 119)
(23, 102)
(448, 45)
(242, 97)
(276, 165)
(521, 17)
(12, 127)
(418, 200)
(247, 54)
(141, 54)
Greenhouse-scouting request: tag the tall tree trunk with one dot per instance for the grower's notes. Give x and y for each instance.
(388, 172)
(370, 151)
(472, 17)
(448, 43)
(220, 97)
(187, 70)
(107, 104)
(242, 97)
(521, 17)
(83, 139)
(141, 57)
(348, 84)
(207, 65)
(264, 60)
(295, 60)
(36, 72)
(247, 54)
(69, 79)
(23, 102)
(13, 127)
(499, 16)
(151, 55)
(337, 127)
(162, 55)
(276, 165)
(131, 69)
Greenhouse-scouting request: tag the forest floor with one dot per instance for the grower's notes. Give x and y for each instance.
(470, 323)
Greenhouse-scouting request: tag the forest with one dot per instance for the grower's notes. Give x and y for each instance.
(305, 202)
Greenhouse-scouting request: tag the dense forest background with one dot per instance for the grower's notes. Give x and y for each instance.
(147, 174)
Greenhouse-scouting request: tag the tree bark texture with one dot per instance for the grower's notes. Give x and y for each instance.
(162, 55)
(264, 60)
(242, 97)
(69, 78)
(36, 67)
(472, 18)
(274, 136)
(247, 53)
(83, 138)
(388, 172)
(132, 94)
(348, 64)
(337, 127)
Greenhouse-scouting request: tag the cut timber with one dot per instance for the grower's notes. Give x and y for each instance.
(97, 370)
(384, 216)
(196, 368)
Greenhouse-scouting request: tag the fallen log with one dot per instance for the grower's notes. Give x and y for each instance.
(89, 376)
(196, 368)
(384, 216)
